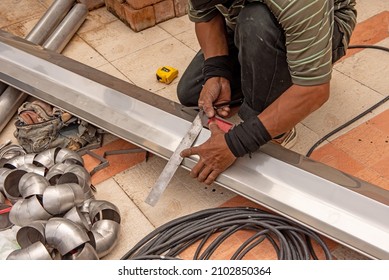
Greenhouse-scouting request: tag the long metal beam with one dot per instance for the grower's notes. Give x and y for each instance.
(342, 207)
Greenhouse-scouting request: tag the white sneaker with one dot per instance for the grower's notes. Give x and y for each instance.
(288, 139)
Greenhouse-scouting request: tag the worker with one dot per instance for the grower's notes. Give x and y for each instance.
(277, 55)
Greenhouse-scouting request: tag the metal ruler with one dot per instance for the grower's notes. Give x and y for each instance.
(175, 160)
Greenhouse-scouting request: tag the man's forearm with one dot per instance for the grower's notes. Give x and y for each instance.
(212, 37)
(292, 107)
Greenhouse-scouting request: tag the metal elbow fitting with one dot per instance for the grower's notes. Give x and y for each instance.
(58, 231)
(77, 174)
(58, 199)
(9, 182)
(55, 172)
(105, 218)
(36, 251)
(105, 234)
(31, 233)
(75, 215)
(32, 184)
(69, 157)
(27, 210)
(46, 158)
(103, 210)
(19, 161)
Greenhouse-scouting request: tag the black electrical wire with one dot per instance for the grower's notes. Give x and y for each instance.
(336, 130)
(368, 47)
(289, 239)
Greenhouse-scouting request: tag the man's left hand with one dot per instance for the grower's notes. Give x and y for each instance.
(215, 156)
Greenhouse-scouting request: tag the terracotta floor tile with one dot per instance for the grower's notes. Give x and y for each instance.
(369, 32)
(337, 158)
(365, 144)
(381, 122)
(373, 177)
(117, 163)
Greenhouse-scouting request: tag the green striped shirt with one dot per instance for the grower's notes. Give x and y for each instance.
(308, 29)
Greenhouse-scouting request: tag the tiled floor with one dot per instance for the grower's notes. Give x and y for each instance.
(103, 42)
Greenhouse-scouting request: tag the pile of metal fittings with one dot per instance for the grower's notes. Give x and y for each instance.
(54, 206)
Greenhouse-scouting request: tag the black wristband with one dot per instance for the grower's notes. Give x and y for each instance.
(247, 137)
(217, 66)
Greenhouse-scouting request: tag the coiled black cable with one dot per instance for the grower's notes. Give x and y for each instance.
(211, 228)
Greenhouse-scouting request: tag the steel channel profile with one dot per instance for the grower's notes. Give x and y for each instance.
(344, 208)
(54, 30)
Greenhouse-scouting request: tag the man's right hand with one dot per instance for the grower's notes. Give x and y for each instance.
(216, 90)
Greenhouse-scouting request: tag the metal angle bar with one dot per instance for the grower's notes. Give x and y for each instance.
(344, 208)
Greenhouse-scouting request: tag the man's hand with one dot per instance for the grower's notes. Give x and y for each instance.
(215, 91)
(215, 156)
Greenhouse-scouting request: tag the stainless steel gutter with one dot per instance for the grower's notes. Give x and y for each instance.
(10, 98)
(346, 209)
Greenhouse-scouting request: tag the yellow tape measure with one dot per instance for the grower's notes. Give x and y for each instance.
(166, 74)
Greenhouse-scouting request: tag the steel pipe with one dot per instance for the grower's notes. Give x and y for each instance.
(46, 25)
(11, 98)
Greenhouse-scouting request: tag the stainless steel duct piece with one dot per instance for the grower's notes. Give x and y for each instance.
(103, 210)
(75, 215)
(46, 158)
(36, 251)
(26, 211)
(106, 233)
(32, 184)
(68, 157)
(59, 199)
(58, 232)
(31, 233)
(10, 184)
(11, 151)
(11, 98)
(19, 161)
(77, 174)
(322, 198)
(2, 198)
(55, 172)
(31, 168)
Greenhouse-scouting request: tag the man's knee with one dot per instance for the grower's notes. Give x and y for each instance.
(183, 93)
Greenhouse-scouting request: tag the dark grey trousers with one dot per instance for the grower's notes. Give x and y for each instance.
(260, 69)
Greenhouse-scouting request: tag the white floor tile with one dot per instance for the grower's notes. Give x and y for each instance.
(183, 195)
(141, 66)
(178, 25)
(12, 11)
(134, 225)
(116, 40)
(348, 99)
(369, 8)
(96, 19)
(79, 50)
